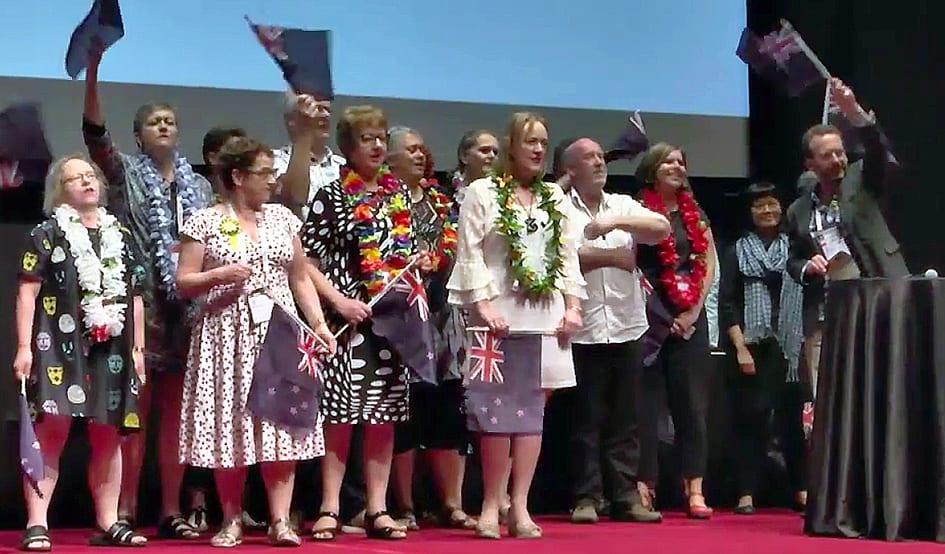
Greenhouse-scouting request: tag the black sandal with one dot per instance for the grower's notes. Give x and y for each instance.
(176, 527)
(387, 532)
(33, 536)
(119, 534)
(329, 532)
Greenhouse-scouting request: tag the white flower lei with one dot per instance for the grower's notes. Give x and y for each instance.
(101, 278)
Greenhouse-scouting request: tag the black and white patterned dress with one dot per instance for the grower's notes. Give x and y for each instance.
(365, 382)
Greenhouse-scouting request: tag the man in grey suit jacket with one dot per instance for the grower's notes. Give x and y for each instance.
(836, 226)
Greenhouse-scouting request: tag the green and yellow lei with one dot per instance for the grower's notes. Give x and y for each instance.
(508, 225)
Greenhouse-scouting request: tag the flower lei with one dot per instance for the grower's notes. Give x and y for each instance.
(366, 207)
(508, 225)
(443, 205)
(683, 290)
(161, 217)
(101, 278)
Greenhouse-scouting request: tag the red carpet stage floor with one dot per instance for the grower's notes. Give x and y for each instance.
(768, 532)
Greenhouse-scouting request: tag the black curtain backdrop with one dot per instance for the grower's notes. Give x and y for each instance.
(893, 55)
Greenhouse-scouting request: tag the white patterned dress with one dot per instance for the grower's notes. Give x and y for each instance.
(217, 428)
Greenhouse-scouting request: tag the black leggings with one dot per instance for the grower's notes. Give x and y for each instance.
(684, 368)
(765, 406)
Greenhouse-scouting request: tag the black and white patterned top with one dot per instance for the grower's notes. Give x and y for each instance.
(329, 237)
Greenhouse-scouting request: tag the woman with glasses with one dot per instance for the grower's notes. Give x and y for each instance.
(228, 251)
(80, 344)
(359, 234)
(761, 310)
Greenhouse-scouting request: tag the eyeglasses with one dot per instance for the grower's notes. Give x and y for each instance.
(767, 206)
(372, 139)
(266, 172)
(87, 176)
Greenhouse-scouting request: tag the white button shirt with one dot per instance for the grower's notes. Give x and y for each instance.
(320, 174)
(615, 309)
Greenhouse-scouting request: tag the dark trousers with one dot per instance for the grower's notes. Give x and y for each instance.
(684, 368)
(765, 406)
(605, 442)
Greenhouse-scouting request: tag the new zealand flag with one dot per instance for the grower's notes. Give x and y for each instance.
(31, 457)
(780, 57)
(503, 384)
(24, 151)
(402, 316)
(287, 377)
(304, 57)
(103, 24)
(631, 142)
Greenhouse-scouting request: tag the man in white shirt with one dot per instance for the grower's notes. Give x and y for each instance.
(605, 441)
(308, 164)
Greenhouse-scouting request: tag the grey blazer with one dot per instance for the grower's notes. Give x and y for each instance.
(876, 251)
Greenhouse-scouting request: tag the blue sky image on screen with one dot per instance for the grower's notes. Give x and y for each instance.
(674, 57)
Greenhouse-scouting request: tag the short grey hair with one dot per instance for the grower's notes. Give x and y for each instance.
(52, 195)
(397, 132)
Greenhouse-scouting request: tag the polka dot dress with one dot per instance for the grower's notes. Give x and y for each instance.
(217, 428)
(365, 382)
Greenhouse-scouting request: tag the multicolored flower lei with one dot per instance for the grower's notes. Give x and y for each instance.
(683, 290)
(443, 205)
(366, 206)
(508, 225)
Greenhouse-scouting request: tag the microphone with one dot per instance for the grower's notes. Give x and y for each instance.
(930, 274)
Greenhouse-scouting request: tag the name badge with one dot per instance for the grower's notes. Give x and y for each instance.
(832, 243)
(260, 308)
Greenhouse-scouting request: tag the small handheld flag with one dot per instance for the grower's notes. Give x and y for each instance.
(103, 24)
(303, 56)
(31, 456)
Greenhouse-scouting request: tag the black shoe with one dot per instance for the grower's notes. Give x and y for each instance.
(745, 510)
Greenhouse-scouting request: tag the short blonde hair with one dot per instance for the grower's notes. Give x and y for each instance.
(52, 195)
(517, 127)
(353, 120)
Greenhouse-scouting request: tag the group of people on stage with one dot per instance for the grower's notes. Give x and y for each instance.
(135, 295)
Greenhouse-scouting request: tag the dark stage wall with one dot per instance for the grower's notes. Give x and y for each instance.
(893, 55)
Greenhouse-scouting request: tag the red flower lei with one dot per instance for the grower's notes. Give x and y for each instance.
(683, 290)
(443, 205)
(374, 270)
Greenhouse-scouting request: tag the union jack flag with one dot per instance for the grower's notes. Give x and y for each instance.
(270, 37)
(485, 358)
(782, 58)
(312, 352)
(416, 293)
(780, 45)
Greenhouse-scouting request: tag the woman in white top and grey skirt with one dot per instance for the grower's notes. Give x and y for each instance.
(517, 272)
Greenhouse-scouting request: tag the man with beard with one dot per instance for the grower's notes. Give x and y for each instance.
(836, 227)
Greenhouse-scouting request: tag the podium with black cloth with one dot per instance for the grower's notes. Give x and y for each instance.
(878, 459)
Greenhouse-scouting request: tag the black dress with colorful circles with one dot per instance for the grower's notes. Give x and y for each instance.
(71, 375)
(365, 382)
